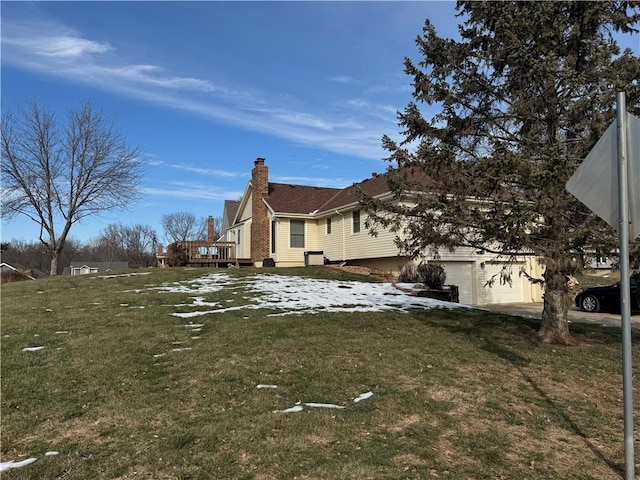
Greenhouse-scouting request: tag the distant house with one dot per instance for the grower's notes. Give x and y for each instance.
(7, 269)
(32, 273)
(85, 268)
(295, 225)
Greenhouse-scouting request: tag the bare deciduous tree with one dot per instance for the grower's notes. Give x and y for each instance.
(183, 226)
(59, 173)
(134, 243)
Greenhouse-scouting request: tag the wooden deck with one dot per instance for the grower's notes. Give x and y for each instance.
(210, 254)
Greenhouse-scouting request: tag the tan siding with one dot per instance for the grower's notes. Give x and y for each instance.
(363, 245)
(285, 255)
(245, 213)
(331, 244)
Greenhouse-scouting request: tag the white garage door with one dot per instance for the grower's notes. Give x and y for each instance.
(461, 274)
(505, 293)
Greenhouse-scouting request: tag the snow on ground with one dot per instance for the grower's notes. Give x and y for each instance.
(14, 464)
(4, 466)
(297, 295)
(134, 274)
(299, 406)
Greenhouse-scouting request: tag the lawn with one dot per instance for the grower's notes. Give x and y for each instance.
(305, 373)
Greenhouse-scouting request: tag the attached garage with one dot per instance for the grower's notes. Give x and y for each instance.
(463, 275)
(505, 292)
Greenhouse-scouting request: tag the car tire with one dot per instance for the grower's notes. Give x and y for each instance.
(589, 303)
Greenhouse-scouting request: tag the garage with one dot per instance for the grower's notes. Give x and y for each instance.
(505, 293)
(462, 274)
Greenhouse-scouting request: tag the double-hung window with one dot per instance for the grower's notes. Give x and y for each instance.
(296, 233)
(356, 221)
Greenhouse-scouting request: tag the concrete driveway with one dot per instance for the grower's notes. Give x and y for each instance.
(534, 310)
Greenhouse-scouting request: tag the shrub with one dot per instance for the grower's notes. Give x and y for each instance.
(430, 274)
(408, 273)
(176, 255)
(15, 276)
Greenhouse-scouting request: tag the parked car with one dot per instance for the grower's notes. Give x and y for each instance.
(595, 299)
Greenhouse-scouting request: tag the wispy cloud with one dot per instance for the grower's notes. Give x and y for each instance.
(190, 191)
(346, 127)
(213, 172)
(344, 79)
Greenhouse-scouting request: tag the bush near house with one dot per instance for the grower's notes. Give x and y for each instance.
(176, 255)
(14, 276)
(430, 274)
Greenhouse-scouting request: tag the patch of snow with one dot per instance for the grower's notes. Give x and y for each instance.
(51, 453)
(363, 396)
(31, 349)
(180, 349)
(14, 464)
(62, 332)
(195, 338)
(322, 405)
(299, 406)
(297, 295)
(294, 409)
(158, 355)
(194, 325)
(262, 385)
(135, 274)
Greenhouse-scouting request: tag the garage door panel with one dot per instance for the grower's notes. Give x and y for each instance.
(504, 293)
(461, 274)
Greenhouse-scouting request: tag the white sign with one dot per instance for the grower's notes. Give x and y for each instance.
(595, 182)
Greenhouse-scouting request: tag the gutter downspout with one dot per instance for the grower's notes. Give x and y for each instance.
(343, 240)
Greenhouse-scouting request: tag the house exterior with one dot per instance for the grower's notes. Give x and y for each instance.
(7, 269)
(295, 224)
(85, 268)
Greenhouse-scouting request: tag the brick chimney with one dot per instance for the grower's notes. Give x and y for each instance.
(260, 216)
(210, 230)
(160, 250)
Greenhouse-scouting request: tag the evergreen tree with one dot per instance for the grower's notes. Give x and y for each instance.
(519, 101)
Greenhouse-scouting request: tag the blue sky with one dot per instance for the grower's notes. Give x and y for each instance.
(204, 88)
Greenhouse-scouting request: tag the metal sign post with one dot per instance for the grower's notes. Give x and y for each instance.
(625, 288)
(608, 182)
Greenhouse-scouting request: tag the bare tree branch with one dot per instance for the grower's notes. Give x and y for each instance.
(56, 174)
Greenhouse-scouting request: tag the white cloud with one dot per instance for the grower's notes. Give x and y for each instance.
(189, 191)
(344, 79)
(344, 127)
(209, 171)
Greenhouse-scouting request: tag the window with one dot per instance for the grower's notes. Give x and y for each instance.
(329, 226)
(239, 236)
(273, 236)
(356, 221)
(296, 232)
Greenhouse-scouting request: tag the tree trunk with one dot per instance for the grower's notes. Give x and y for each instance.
(554, 327)
(55, 255)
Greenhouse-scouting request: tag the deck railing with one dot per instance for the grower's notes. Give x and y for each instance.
(201, 252)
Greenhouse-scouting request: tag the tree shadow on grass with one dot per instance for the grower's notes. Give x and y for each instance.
(490, 329)
(478, 322)
(520, 362)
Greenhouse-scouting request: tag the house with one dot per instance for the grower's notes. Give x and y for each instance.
(85, 268)
(293, 225)
(7, 269)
